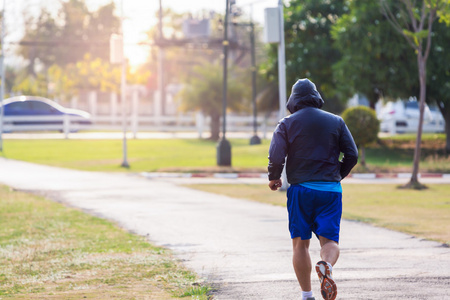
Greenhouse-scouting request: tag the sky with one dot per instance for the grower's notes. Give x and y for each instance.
(139, 16)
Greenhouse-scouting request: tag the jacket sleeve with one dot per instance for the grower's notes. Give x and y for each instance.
(348, 147)
(277, 152)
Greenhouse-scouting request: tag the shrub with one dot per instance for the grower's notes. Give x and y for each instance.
(364, 125)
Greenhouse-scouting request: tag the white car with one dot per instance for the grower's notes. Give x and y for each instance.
(403, 116)
(32, 113)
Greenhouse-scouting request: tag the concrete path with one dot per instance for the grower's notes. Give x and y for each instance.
(240, 246)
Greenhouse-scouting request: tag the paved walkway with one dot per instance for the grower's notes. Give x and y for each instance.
(241, 246)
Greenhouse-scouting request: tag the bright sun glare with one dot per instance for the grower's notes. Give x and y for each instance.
(139, 17)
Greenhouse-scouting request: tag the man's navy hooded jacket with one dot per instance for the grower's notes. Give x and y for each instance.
(312, 140)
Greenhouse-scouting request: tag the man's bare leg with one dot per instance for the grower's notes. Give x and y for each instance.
(329, 251)
(302, 263)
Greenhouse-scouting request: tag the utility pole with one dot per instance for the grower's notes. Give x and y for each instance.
(2, 88)
(281, 64)
(123, 88)
(282, 82)
(161, 56)
(255, 140)
(224, 146)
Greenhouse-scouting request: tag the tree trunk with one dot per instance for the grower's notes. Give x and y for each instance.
(215, 126)
(414, 182)
(362, 156)
(446, 115)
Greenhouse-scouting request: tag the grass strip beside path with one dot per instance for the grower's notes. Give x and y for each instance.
(195, 155)
(49, 251)
(424, 214)
(185, 155)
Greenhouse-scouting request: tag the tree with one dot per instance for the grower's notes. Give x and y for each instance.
(75, 16)
(31, 85)
(183, 53)
(102, 23)
(67, 37)
(369, 67)
(89, 74)
(10, 77)
(309, 51)
(37, 44)
(203, 91)
(438, 75)
(374, 61)
(364, 125)
(68, 52)
(414, 22)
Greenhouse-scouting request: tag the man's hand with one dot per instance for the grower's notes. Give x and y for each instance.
(275, 184)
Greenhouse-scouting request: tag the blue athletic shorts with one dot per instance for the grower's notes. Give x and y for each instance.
(314, 211)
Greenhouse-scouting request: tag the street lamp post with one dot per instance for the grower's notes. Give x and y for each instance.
(281, 64)
(124, 115)
(255, 140)
(2, 88)
(161, 71)
(224, 146)
(282, 80)
(123, 95)
(274, 33)
(117, 56)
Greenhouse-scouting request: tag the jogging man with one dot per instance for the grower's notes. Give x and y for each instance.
(312, 141)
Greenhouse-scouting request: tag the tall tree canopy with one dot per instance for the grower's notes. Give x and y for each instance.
(203, 91)
(309, 54)
(38, 42)
(63, 82)
(375, 61)
(414, 21)
(67, 37)
(438, 75)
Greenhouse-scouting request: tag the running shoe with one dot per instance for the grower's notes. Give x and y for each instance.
(327, 285)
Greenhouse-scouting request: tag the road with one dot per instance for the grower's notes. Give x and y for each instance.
(241, 247)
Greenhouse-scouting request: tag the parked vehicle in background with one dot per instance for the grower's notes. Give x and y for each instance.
(403, 116)
(32, 113)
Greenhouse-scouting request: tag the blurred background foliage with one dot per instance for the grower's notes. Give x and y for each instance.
(346, 47)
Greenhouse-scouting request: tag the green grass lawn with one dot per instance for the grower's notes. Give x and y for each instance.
(49, 251)
(195, 155)
(143, 155)
(424, 214)
(396, 153)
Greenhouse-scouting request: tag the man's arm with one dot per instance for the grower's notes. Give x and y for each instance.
(348, 147)
(277, 156)
(275, 184)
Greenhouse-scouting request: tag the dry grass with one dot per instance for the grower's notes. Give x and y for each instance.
(48, 251)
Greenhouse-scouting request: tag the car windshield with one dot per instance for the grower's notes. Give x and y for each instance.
(17, 107)
(42, 107)
(412, 105)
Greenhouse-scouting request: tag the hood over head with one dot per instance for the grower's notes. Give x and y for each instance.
(304, 94)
